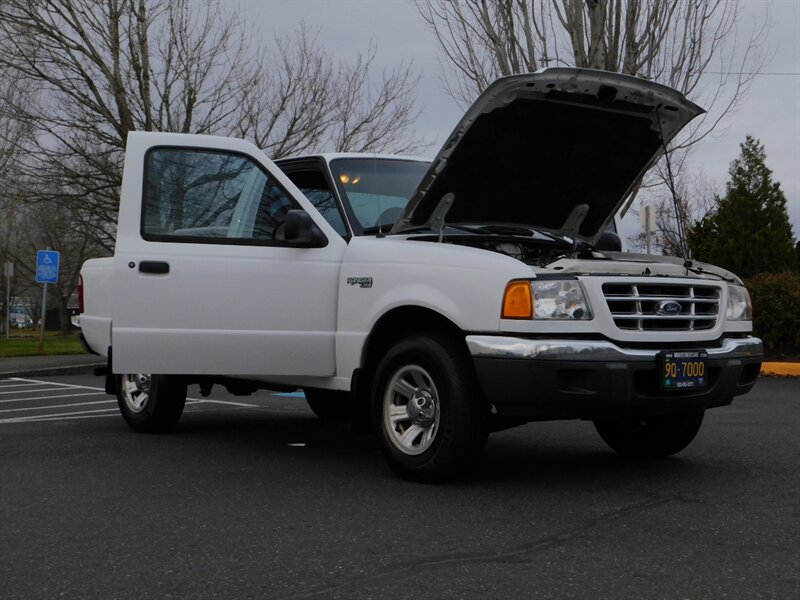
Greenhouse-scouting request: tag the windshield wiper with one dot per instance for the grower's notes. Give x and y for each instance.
(417, 229)
(375, 229)
(491, 229)
(387, 226)
(505, 229)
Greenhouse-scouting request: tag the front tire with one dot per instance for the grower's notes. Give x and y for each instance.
(650, 437)
(150, 403)
(429, 416)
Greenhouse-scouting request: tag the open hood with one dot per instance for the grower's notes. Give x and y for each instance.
(558, 150)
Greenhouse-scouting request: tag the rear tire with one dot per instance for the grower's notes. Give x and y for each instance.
(329, 405)
(150, 403)
(650, 437)
(428, 413)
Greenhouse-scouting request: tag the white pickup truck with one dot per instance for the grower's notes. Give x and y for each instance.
(432, 302)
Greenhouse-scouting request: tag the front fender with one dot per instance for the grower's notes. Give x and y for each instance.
(462, 284)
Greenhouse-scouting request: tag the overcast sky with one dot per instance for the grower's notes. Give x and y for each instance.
(770, 112)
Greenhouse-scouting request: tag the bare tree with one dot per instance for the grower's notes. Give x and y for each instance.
(678, 43)
(302, 100)
(12, 130)
(102, 69)
(11, 237)
(695, 201)
(55, 227)
(26, 228)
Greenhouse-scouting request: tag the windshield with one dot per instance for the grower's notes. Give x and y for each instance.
(377, 188)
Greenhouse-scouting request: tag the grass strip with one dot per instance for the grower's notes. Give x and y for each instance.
(27, 344)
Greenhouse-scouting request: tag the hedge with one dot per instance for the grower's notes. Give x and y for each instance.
(776, 311)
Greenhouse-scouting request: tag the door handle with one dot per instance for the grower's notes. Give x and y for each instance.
(157, 267)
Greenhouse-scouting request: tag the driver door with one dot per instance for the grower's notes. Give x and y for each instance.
(204, 281)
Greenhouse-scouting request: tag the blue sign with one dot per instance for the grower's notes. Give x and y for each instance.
(47, 266)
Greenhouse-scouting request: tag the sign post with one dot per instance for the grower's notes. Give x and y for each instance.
(8, 272)
(46, 272)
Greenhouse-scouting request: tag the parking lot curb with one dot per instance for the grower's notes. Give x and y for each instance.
(51, 371)
(783, 369)
(40, 366)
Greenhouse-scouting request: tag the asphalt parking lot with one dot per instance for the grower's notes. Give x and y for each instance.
(256, 498)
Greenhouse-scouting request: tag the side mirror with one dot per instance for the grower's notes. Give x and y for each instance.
(301, 230)
(609, 241)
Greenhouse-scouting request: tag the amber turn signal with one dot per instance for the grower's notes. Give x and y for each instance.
(517, 301)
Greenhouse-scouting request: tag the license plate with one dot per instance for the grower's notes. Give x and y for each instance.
(683, 369)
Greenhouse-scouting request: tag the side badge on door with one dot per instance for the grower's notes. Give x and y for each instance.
(363, 282)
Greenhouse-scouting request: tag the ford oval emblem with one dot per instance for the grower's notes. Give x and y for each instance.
(668, 307)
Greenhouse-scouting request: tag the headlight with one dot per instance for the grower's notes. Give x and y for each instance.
(560, 299)
(739, 306)
(546, 299)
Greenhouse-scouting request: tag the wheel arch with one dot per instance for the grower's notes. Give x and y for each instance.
(393, 325)
(400, 322)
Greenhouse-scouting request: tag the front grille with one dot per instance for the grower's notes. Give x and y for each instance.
(646, 306)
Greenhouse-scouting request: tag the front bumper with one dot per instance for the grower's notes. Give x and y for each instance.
(593, 379)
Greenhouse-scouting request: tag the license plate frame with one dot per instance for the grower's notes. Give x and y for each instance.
(681, 370)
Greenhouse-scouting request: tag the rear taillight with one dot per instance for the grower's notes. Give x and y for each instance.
(80, 294)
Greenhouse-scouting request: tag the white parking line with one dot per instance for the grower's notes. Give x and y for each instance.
(4, 386)
(40, 418)
(49, 406)
(86, 387)
(24, 387)
(52, 417)
(30, 391)
(49, 397)
(68, 390)
(66, 385)
(206, 400)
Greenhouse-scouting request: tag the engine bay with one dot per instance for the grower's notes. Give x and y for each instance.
(534, 252)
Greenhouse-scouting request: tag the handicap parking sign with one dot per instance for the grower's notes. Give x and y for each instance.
(47, 266)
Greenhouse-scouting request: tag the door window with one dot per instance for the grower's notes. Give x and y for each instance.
(211, 196)
(316, 189)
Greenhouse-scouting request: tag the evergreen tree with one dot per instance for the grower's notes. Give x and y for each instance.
(750, 231)
(797, 249)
